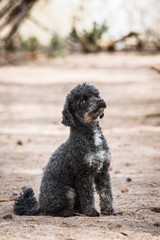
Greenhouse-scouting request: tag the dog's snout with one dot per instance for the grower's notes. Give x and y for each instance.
(100, 100)
(102, 103)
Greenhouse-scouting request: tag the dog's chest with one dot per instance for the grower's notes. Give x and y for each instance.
(99, 155)
(97, 138)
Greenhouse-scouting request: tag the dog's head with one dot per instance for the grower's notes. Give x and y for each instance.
(83, 104)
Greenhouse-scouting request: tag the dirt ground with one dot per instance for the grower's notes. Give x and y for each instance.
(32, 95)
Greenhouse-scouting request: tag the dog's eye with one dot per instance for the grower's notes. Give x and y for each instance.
(85, 99)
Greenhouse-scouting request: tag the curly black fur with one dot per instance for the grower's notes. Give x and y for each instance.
(26, 203)
(67, 186)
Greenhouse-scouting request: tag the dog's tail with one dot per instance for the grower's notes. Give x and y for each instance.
(26, 203)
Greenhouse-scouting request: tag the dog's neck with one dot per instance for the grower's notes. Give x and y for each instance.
(85, 129)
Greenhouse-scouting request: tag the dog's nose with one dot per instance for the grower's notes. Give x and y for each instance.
(100, 100)
(102, 103)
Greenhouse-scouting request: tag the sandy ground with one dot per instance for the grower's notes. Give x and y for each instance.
(31, 100)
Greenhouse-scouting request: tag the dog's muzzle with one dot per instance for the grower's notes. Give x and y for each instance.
(97, 103)
(102, 103)
(97, 107)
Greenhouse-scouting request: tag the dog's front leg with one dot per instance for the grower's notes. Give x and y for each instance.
(103, 187)
(85, 192)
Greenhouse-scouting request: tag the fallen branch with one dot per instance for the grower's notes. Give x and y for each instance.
(156, 68)
(110, 44)
(154, 209)
(7, 199)
(142, 208)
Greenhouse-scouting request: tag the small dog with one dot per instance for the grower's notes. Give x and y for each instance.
(67, 186)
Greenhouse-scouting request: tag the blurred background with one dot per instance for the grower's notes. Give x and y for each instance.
(47, 47)
(59, 27)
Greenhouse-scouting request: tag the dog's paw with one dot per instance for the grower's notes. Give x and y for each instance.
(92, 212)
(65, 214)
(109, 212)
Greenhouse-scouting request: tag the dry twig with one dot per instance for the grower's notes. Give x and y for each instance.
(156, 68)
(7, 199)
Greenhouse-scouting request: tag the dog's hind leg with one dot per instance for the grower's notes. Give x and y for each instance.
(57, 199)
(68, 211)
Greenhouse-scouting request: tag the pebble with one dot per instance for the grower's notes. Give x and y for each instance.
(128, 179)
(156, 224)
(14, 194)
(124, 190)
(19, 142)
(8, 216)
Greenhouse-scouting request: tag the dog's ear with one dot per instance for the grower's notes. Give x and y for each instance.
(67, 117)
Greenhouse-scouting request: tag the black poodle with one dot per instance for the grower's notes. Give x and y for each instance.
(79, 164)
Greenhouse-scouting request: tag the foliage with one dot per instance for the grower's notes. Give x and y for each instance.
(57, 46)
(95, 34)
(31, 44)
(89, 40)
